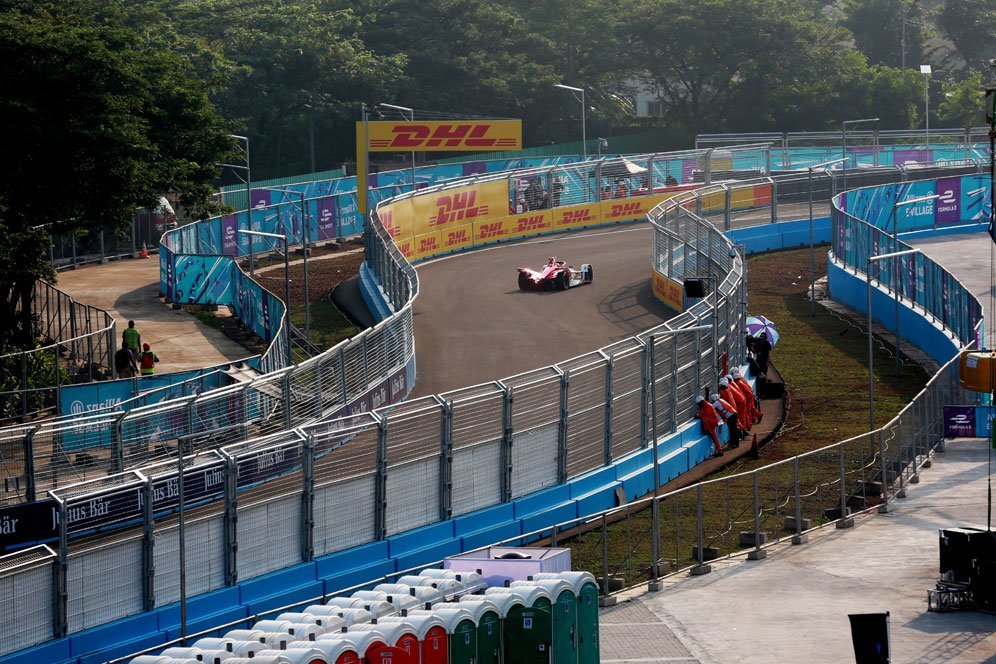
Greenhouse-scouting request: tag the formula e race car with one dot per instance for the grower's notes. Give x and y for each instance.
(556, 274)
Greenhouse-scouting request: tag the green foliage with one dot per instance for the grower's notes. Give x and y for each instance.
(971, 27)
(35, 372)
(962, 104)
(877, 26)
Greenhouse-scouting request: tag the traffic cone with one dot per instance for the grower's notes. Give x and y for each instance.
(145, 251)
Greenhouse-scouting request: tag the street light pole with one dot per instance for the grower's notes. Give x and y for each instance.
(306, 240)
(248, 183)
(895, 265)
(812, 251)
(926, 71)
(411, 119)
(843, 140)
(584, 134)
(871, 357)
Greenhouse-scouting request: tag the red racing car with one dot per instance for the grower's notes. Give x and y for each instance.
(556, 274)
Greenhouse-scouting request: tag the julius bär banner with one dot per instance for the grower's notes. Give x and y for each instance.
(430, 136)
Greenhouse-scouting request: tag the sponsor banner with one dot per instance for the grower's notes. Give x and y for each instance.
(632, 208)
(911, 217)
(461, 205)
(531, 223)
(108, 509)
(260, 198)
(494, 230)
(199, 483)
(762, 194)
(742, 198)
(230, 235)
(27, 524)
(975, 198)
(983, 421)
(389, 391)
(406, 247)
(328, 218)
(458, 237)
(203, 280)
(428, 245)
(947, 208)
(443, 136)
(714, 202)
(668, 291)
(576, 216)
(255, 467)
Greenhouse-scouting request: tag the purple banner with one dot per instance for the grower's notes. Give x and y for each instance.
(474, 168)
(947, 210)
(959, 422)
(900, 157)
(328, 218)
(265, 297)
(260, 198)
(230, 235)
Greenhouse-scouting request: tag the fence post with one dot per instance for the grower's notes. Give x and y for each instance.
(60, 619)
(644, 398)
(845, 521)
(380, 480)
(117, 452)
(673, 401)
(727, 206)
(288, 418)
(231, 517)
(774, 200)
(609, 397)
(758, 553)
(24, 384)
(562, 427)
(703, 567)
(505, 453)
(308, 500)
(445, 458)
(799, 537)
(29, 465)
(148, 548)
(112, 347)
(342, 376)
(886, 506)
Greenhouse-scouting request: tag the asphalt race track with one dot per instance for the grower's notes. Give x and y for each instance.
(474, 325)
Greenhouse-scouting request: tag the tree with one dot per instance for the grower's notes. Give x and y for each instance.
(963, 104)
(971, 26)
(96, 124)
(878, 26)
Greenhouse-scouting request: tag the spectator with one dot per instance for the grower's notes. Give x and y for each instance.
(124, 363)
(621, 190)
(710, 420)
(729, 414)
(745, 405)
(557, 191)
(148, 360)
(748, 392)
(762, 349)
(733, 397)
(131, 339)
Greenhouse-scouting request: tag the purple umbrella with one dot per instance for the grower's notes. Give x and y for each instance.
(758, 324)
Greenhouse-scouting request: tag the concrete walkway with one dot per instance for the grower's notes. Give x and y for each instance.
(129, 290)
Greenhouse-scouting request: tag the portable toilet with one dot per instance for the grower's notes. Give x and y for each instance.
(244, 635)
(488, 618)
(248, 648)
(277, 640)
(461, 628)
(528, 628)
(424, 594)
(431, 632)
(152, 659)
(412, 580)
(212, 643)
(341, 602)
(586, 592)
(362, 641)
(355, 616)
(472, 581)
(396, 643)
(296, 655)
(214, 656)
(183, 653)
(269, 659)
(335, 650)
(563, 611)
(273, 626)
(298, 617)
(401, 601)
(449, 589)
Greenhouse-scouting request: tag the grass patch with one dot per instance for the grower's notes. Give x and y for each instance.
(328, 325)
(209, 318)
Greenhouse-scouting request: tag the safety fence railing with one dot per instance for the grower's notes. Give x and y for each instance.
(794, 150)
(77, 342)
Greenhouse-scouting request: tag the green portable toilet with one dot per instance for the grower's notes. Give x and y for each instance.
(488, 616)
(462, 629)
(586, 591)
(528, 629)
(564, 620)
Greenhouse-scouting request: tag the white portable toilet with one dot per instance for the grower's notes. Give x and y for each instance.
(210, 643)
(553, 587)
(269, 659)
(296, 617)
(361, 640)
(355, 616)
(327, 615)
(296, 655)
(529, 592)
(412, 580)
(428, 626)
(214, 656)
(449, 588)
(378, 608)
(335, 648)
(424, 594)
(277, 640)
(472, 581)
(478, 605)
(341, 602)
(391, 632)
(151, 659)
(182, 653)
(244, 635)
(273, 626)
(505, 599)
(400, 601)
(306, 631)
(247, 648)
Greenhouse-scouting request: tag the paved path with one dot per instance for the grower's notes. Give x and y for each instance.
(129, 290)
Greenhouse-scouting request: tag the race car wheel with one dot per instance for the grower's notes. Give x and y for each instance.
(563, 280)
(525, 283)
(589, 274)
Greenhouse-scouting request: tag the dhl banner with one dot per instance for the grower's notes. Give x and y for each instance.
(668, 291)
(458, 206)
(444, 136)
(754, 196)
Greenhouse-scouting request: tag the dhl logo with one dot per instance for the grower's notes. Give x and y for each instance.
(387, 219)
(573, 217)
(533, 223)
(457, 237)
(450, 136)
(487, 231)
(457, 207)
(406, 249)
(428, 245)
(624, 210)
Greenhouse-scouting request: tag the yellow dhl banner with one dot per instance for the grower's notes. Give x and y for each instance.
(459, 206)
(668, 291)
(443, 136)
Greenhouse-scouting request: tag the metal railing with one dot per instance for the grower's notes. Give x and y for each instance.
(78, 345)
